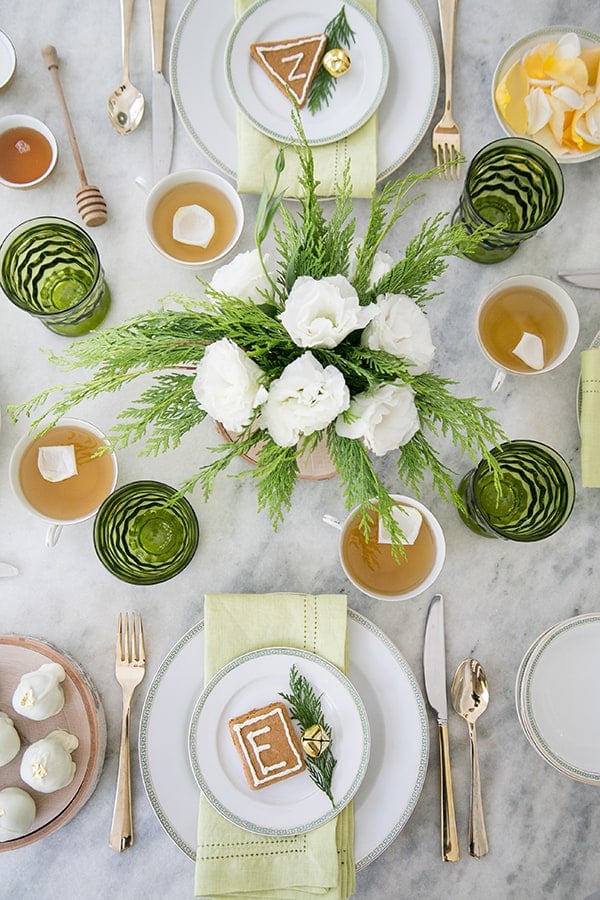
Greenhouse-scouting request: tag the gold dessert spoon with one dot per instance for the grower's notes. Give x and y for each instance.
(470, 697)
(126, 103)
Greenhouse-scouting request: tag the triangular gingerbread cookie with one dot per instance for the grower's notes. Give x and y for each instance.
(291, 64)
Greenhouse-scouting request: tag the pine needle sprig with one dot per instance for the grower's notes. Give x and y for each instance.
(339, 34)
(305, 708)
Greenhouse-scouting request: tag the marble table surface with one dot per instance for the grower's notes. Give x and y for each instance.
(500, 596)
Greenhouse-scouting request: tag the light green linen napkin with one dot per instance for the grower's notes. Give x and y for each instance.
(257, 152)
(234, 863)
(590, 418)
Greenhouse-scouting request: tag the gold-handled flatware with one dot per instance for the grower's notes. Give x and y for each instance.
(129, 670)
(434, 670)
(470, 697)
(446, 134)
(126, 103)
(91, 205)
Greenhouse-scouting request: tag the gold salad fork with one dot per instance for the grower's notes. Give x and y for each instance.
(129, 670)
(446, 134)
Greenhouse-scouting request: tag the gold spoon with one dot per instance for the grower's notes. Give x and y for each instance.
(126, 103)
(470, 697)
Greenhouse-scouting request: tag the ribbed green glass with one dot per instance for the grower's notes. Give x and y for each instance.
(51, 269)
(512, 182)
(536, 496)
(143, 535)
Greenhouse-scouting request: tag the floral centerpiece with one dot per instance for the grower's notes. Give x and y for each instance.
(330, 342)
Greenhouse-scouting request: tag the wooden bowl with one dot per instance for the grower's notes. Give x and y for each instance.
(82, 715)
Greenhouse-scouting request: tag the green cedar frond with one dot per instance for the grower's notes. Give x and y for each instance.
(339, 34)
(305, 708)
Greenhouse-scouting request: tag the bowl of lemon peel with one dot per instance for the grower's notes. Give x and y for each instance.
(547, 87)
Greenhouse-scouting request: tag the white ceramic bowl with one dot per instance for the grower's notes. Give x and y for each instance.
(20, 120)
(514, 53)
(8, 60)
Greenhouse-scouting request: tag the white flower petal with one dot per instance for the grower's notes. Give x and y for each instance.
(568, 97)
(538, 110)
(228, 384)
(568, 46)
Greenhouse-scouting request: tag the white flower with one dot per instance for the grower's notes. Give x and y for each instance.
(382, 264)
(401, 328)
(385, 418)
(228, 384)
(305, 398)
(322, 312)
(243, 277)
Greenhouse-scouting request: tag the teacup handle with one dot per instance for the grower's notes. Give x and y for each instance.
(330, 520)
(498, 381)
(53, 534)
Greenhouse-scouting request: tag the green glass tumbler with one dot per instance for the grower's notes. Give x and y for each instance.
(144, 533)
(51, 269)
(512, 182)
(535, 497)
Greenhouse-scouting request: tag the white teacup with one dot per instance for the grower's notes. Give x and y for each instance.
(371, 567)
(181, 193)
(73, 499)
(531, 315)
(30, 154)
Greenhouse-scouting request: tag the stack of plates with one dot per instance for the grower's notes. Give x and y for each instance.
(557, 691)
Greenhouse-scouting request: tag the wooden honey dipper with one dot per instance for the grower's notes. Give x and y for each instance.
(90, 202)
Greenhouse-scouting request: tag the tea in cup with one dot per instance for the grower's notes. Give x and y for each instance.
(194, 217)
(28, 151)
(64, 475)
(526, 325)
(371, 566)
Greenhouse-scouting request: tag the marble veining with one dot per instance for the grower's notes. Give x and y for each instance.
(542, 826)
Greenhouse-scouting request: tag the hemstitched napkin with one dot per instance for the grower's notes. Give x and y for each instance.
(257, 152)
(590, 418)
(233, 863)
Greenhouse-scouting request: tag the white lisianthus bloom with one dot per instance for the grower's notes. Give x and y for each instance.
(383, 262)
(401, 328)
(322, 312)
(305, 398)
(228, 384)
(244, 278)
(385, 418)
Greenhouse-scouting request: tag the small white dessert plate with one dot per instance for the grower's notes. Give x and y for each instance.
(294, 805)
(82, 715)
(558, 676)
(357, 93)
(8, 60)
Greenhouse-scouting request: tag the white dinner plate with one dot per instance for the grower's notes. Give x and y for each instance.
(357, 94)
(208, 112)
(295, 805)
(399, 739)
(81, 715)
(558, 677)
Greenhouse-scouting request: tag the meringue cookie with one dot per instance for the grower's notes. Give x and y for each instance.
(10, 742)
(46, 765)
(39, 694)
(17, 812)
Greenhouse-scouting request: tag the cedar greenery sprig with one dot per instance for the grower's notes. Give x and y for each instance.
(305, 708)
(339, 34)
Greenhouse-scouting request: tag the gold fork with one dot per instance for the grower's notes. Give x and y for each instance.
(129, 670)
(446, 134)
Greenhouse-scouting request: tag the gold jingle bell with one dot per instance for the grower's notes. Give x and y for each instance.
(315, 741)
(336, 62)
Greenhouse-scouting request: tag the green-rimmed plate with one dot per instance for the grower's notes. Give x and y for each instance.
(553, 712)
(295, 805)
(357, 94)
